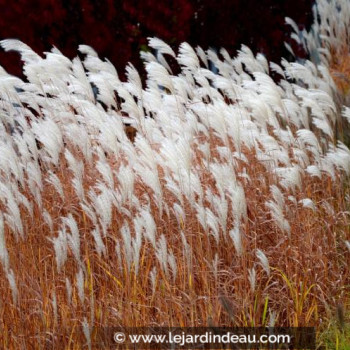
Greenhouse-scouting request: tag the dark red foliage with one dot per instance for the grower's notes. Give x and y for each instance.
(118, 29)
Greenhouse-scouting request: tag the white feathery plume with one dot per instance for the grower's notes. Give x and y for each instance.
(187, 250)
(134, 84)
(8, 86)
(111, 134)
(220, 206)
(252, 279)
(80, 285)
(153, 278)
(9, 161)
(173, 186)
(27, 54)
(238, 205)
(89, 211)
(272, 318)
(128, 252)
(235, 235)
(326, 165)
(13, 214)
(162, 254)
(187, 57)
(246, 56)
(37, 197)
(87, 332)
(172, 264)
(136, 248)
(139, 225)
(213, 60)
(184, 91)
(11, 278)
(104, 88)
(324, 100)
(125, 178)
(102, 204)
(23, 200)
(297, 71)
(80, 138)
(301, 157)
(276, 211)
(296, 115)
(149, 225)
(9, 155)
(54, 307)
(261, 58)
(269, 91)
(212, 223)
(308, 203)
(87, 50)
(277, 195)
(159, 74)
(34, 175)
(201, 216)
(179, 213)
(277, 69)
(290, 177)
(94, 64)
(291, 22)
(224, 53)
(313, 170)
(76, 166)
(49, 134)
(263, 261)
(29, 138)
(117, 250)
(56, 67)
(323, 124)
(56, 183)
(151, 178)
(322, 112)
(223, 175)
(22, 149)
(218, 123)
(201, 54)
(60, 246)
(129, 106)
(273, 151)
(161, 59)
(340, 157)
(80, 85)
(74, 237)
(147, 57)
(105, 170)
(69, 290)
(99, 245)
(161, 46)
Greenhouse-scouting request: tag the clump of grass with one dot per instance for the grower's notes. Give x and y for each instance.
(227, 207)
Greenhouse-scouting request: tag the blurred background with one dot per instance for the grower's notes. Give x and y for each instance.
(118, 29)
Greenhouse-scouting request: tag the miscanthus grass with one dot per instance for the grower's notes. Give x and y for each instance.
(227, 206)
